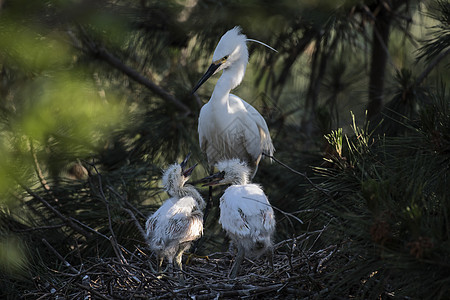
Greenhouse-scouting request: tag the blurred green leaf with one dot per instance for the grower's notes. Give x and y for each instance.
(12, 255)
(30, 50)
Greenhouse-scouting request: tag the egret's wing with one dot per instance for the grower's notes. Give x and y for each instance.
(266, 141)
(256, 127)
(159, 216)
(268, 219)
(249, 198)
(185, 228)
(150, 225)
(232, 219)
(203, 126)
(245, 209)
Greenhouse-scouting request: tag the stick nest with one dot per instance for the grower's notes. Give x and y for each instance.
(297, 273)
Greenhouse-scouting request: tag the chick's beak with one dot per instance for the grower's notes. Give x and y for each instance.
(188, 172)
(214, 179)
(211, 70)
(184, 162)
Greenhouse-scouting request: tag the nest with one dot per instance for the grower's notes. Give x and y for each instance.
(297, 273)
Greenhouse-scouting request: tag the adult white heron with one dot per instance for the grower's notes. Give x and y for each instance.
(179, 221)
(245, 212)
(229, 127)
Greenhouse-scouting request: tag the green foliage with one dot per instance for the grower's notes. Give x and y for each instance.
(394, 218)
(83, 140)
(12, 255)
(439, 43)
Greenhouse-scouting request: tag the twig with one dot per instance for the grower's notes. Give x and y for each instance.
(40, 228)
(239, 293)
(319, 235)
(91, 229)
(125, 201)
(301, 174)
(37, 167)
(44, 296)
(66, 263)
(326, 258)
(66, 220)
(136, 222)
(91, 290)
(45, 185)
(113, 238)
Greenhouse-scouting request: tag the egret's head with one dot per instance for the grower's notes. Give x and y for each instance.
(176, 175)
(231, 48)
(231, 171)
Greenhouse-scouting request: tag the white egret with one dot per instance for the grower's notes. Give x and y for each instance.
(179, 221)
(229, 127)
(245, 212)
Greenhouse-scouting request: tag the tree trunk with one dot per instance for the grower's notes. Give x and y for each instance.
(380, 56)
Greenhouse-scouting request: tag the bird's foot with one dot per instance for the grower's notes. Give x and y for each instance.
(191, 255)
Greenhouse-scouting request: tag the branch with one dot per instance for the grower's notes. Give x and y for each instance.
(132, 73)
(66, 220)
(430, 67)
(136, 222)
(59, 256)
(102, 53)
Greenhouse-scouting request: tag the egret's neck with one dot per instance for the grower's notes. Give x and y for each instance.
(242, 179)
(189, 190)
(231, 78)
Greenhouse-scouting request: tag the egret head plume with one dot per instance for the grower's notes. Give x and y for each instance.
(231, 45)
(259, 42)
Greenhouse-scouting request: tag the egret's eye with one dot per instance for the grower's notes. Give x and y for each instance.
(224, 59)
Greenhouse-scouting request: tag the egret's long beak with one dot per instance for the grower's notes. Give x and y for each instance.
(211, 70)
(214, 179)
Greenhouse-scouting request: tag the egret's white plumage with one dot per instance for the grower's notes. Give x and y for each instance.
(179, 221)
(228, 126)
(245, 212)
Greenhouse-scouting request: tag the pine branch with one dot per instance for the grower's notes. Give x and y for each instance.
(132, 73)
(67, 221)
(100, 52)
(430, 67)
